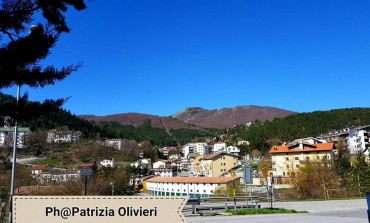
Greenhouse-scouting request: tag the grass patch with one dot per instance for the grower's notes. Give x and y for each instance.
(49, 161)
(251, 211)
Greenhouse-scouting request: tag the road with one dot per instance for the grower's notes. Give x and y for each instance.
(334, 211)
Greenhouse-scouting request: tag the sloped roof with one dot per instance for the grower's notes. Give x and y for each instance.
(40, 167)
(86, 165)
(295, 148)
(191, 179)
(215, 155)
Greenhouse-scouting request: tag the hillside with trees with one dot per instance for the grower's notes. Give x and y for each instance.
(96, 130)
(263, 135)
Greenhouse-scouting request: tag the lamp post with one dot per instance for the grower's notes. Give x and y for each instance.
(14, 164)
(233, 177)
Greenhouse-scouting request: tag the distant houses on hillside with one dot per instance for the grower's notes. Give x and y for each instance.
(63, 135)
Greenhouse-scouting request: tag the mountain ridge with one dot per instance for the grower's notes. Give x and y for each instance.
(197, 117)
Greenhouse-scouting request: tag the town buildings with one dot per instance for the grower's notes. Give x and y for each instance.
(287, 159)
(354, 139)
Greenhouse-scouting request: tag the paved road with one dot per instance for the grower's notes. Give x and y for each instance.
(341, 211)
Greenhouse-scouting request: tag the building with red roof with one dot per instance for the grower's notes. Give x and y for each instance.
(287, 159)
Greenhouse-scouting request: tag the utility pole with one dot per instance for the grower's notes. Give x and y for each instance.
(233, 176)
(14, 164)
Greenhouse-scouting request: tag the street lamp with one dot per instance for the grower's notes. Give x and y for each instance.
(15, 141)
(14, 164)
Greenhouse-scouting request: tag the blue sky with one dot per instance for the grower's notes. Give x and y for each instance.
(161, 56)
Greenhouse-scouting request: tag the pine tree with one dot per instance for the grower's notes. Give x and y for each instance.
(23, 46)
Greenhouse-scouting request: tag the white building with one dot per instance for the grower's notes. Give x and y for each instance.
(355, 139)
(219, 146)
(7, 136)
(107, 163)
(59, 176)
(231, 149)
(115, 143)
(63, 136)
(359, 140)
(200, 148)
(142, 164)
(163, 172)
(161, 164)
(188, 186)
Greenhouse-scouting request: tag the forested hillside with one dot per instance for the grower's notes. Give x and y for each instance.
(263, 135)
(90, 130)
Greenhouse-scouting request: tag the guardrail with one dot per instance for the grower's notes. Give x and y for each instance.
(212, 203)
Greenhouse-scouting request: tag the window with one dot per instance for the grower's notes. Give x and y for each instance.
(197, 191)
(211, 191)
(283, 173)
(286, 158)
(191, 190)
(307, 159)
(297, 166)
(178, 190)
(204, 191)
(296, 158)
(287, 166)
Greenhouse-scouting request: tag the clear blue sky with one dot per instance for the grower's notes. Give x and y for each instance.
(161, 56)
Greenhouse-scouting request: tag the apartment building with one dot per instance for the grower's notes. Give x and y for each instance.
(355, 139)
(199, 148)
(217, 164)
(63, 136)
(287, 159)
(219, 146)
(7, 136)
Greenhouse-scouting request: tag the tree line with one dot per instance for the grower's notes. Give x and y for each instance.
(263, 135)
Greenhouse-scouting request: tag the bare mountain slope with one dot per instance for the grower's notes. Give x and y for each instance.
(194, 116)
(228, 117)
(136, 119)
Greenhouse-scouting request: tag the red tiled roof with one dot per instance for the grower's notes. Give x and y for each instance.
(306, 148)
(40, 167)
(191, 179)
(86, 165)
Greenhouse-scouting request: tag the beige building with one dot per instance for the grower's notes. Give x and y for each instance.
(217, 164)
(286, 160)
